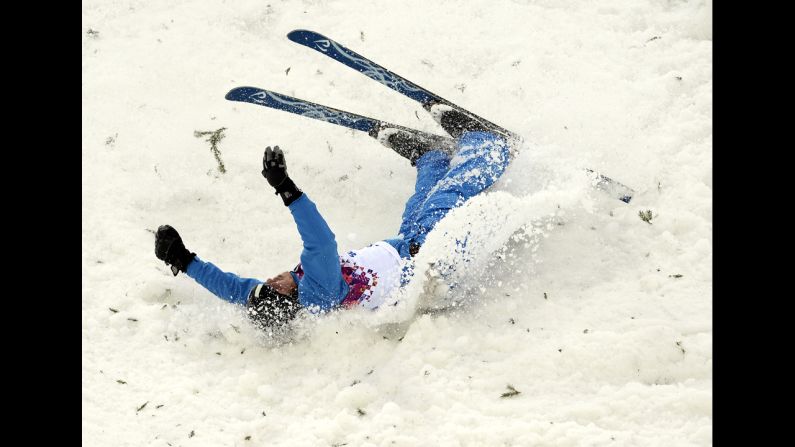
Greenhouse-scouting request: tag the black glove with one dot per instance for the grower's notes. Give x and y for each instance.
(169, 248)
(274, 169)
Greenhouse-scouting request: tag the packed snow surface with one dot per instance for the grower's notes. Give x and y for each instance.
(573, 321)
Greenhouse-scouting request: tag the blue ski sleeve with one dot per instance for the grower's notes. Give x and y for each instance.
(322, 285)
(224, 285)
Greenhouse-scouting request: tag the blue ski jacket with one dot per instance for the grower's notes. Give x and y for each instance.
(322, 286)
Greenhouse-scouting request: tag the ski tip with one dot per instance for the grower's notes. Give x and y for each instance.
(303, 35)
(241, 93)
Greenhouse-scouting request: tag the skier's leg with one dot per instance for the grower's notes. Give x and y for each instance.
(481, 160)
(431, 168)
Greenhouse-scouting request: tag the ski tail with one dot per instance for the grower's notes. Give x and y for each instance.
(613, 188)
(376, 72)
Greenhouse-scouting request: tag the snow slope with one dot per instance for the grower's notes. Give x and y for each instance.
(601, 321)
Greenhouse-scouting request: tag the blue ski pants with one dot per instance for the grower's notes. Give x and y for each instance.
(444, 183)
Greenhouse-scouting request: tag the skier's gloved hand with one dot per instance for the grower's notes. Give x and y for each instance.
(169, 248)
(274, 169)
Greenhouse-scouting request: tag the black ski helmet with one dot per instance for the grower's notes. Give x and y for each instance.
(270, 308)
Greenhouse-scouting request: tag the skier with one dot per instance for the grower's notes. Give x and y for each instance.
(325, 279)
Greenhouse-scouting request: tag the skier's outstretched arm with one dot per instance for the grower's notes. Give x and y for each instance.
(322, 285)
(227, 286)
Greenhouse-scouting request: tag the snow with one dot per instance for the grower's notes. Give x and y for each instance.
(583, 312)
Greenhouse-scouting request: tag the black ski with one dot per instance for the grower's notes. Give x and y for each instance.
(331, 115)
(346, 56)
